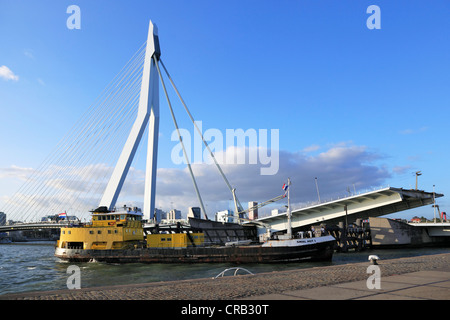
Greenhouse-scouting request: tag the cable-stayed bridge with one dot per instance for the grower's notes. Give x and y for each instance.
(88, 167)
(35, 226)
(75, 173)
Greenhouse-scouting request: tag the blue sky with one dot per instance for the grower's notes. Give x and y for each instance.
(347, 100)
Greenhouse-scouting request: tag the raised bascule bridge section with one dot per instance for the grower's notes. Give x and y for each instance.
(339, 214)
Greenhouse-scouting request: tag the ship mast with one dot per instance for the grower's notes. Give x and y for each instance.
(289, 226)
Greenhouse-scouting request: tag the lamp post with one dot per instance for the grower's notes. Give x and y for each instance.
(418, 173)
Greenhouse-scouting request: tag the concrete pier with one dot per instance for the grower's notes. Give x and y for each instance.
(391, 233)
(423, 277)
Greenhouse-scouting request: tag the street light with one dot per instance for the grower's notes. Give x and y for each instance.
(418, 173)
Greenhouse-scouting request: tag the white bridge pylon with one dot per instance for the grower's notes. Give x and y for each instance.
(148, 113)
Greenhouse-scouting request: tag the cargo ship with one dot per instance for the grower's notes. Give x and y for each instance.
(119, 237)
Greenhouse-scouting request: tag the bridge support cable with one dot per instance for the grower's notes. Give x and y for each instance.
(79, 159)
(99, 142)
(181, 141)
(21, 195)
(77, 168)
(88, 154)
(92, 170)
(238, 206)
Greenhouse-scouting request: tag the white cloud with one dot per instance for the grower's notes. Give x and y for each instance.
(401, 169)
(311, 148)
(7, 74)
(414, 131)
(15, 172)
(29, 53)
(337, 168)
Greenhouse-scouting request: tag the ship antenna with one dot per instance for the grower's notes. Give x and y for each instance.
(289, 227)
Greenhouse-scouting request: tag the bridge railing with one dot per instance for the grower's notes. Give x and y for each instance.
(329, 198)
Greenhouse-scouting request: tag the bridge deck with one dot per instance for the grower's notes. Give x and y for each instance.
(32, 226)
(370, 204)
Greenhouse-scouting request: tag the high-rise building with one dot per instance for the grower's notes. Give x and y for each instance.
(225, 216)
(194, 212)
(159, 215)
(2, 218)
(174, 214)
(253, 213)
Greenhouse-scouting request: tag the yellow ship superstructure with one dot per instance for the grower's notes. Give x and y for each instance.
(107, 230)
(175, 240)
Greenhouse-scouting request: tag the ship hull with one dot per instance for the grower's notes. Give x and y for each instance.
(318, 250)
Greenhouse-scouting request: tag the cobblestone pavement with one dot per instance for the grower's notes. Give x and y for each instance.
(243, 286)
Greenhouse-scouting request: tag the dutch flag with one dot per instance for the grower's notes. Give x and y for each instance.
(62, 215)
(285, 187)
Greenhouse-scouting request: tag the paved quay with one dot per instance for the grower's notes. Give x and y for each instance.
(422, 278)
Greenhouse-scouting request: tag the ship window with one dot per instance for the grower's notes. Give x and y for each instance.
(169, 239)
(99, 232)
(109, 231)
(116, 231)
(69, 232)
(163, 239)
(122, 217)
(91, 232)
(63, 232)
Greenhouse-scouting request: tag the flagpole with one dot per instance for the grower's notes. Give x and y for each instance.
(289, 227)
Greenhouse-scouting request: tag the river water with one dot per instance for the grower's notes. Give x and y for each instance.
(32, 267)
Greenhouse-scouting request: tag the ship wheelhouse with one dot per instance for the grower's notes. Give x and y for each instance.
(107, 230)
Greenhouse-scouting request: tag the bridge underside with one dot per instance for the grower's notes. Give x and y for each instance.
(371, 204)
